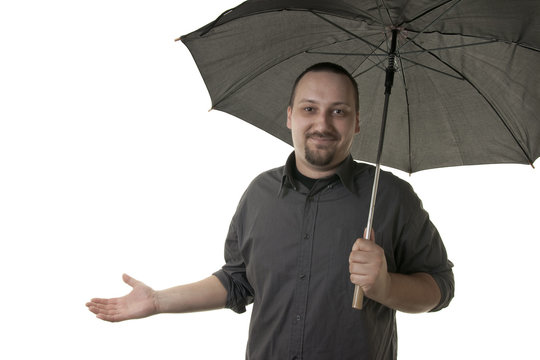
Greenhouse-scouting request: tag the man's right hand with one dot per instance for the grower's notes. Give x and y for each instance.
(139, 303)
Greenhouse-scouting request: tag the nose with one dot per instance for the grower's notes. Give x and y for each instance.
(323, 120)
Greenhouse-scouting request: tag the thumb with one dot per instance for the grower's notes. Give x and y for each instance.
(371, 236)
(129, 280)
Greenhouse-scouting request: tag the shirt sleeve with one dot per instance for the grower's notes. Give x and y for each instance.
(233, 274)
(421, 249)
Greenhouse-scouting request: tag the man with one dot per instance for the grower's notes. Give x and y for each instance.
(295, 251)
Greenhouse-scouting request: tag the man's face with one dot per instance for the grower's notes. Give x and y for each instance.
(323, 121)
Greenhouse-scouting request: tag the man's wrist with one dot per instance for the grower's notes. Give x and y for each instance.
(157, 300)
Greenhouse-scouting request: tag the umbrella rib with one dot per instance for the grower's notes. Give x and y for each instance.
(279, 7)
(213, 23)
(253, 76)
(371, 67)
(528, 47)
(372, 53)
(488, 40)
(348, 32)
(430, 10)
(408, 39)
(486, 99)
(408, 115)
(431, 23)
(374, 46)
(383, 4)
(450, 47)
(431, 68)
(343, 53)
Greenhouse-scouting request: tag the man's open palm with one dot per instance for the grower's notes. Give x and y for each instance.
(139, 303)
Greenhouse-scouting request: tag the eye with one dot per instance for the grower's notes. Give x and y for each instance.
(339, 111)
(309, 109)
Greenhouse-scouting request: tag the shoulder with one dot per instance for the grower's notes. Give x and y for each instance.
(270, 178)
(363, 174)
(398, 194)
(265, 184)
(395, 183)
(260, 191)
(390, 186)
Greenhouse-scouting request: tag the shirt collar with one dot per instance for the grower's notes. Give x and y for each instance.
(287, 177)
(345, 173)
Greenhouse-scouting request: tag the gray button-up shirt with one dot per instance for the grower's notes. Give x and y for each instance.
(287, 253)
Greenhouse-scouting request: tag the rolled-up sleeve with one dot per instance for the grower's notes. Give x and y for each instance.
(233, 274)
(445, 281)
(421, 249)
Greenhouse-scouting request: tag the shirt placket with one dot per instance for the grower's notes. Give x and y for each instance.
(303, 276)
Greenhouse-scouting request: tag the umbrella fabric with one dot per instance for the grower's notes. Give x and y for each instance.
(466, 91)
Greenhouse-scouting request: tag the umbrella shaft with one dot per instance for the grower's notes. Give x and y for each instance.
(369, 226)
(367, 234)
(358, 296)
(391, 69)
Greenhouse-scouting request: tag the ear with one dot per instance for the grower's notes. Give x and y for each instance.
(289, 120)
(357, 125)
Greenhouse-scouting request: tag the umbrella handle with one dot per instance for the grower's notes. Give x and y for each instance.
(358, 298)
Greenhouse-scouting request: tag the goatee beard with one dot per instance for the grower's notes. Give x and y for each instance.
(318, 158)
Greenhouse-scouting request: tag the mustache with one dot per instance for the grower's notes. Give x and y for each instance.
(323, 135)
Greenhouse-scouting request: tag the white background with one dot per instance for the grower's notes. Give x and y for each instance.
(110, 163)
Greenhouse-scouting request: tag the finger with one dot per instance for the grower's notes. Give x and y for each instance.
(102, 301)
(97, 310)
(358, 279)
(362, 245)
(92, 308)
(359, 256)
(101, 312)
(359, 269)
(105, 313)
(111, 305)
(111, 317)
(105, 304)
(106, 318)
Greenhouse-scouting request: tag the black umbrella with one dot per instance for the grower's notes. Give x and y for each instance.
(466, 89)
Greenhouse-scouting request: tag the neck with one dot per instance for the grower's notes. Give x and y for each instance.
(316, 172)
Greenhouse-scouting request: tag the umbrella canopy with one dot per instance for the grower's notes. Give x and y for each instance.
(466, 87)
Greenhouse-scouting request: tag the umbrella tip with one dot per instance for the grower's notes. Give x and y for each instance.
(178, 39)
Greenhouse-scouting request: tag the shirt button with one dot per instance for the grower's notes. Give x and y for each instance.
(306, 236)
(297, 317)
(302, 276)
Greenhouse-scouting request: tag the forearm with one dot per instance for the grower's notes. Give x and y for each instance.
(207, 294)
(414, 293)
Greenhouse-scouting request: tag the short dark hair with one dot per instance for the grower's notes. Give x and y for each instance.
(329, 67)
